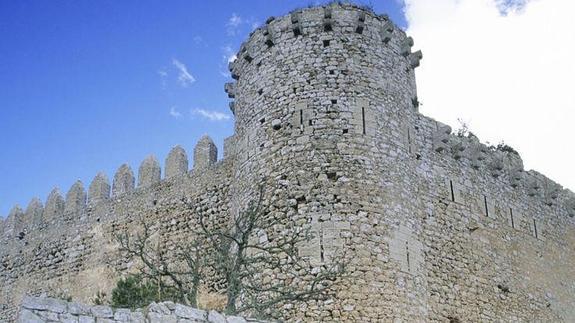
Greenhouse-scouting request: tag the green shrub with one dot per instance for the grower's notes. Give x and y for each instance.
(134, 292)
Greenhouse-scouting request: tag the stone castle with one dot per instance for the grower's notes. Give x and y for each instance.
(440, 227)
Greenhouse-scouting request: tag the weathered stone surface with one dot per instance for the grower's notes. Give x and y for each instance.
(75, 199)
(123, 181)
(205, 153)
(54, 206)
(99, 190)
(101, 311)
(27, 316)
(149, 172)
(176, 162)
(34, 213)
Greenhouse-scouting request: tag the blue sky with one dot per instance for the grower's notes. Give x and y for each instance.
(88, 85)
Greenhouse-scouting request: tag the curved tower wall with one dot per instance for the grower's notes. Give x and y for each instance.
(321, 95)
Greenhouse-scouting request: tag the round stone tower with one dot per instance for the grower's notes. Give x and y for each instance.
(323, 99)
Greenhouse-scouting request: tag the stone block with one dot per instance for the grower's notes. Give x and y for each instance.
(154, 317)
(189, 313)
(102, 311)
(90, 319)
(27, 316)
(44, 304)
(78, 308)
(215, 317)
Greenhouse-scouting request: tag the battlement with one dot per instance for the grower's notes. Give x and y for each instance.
(79, 204)
(502, 164)
(329, 25)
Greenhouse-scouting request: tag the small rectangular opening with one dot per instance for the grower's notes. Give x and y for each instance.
(326, 43)
(331, 72)
(512, 220)
(310, 122)
(345, 131)
(301, 117)
(296, 31)
(451, 188)
(407, 256)
(409, 140)
(333, 101)
(535, 229)
(261, 91)
(363, 119)
(485, 203)
(327, 27)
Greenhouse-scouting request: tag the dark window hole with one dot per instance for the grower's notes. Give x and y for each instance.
(326, 43)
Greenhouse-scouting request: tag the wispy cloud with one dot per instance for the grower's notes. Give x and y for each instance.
(184, 77)
(175, 113)
(228, 56)
(211, 114)
(233, 24)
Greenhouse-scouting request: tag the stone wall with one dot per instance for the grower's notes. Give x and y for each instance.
(40, 310)
(437, 227)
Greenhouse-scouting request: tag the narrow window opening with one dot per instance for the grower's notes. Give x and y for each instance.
(512, 220)
(261, 91)
(485, 203)
(535, 229)
(326, 43)
(345, 131)
(327, 27)
(333, 101)
(301, 117)
(262, 120)
(310, 122)
(296, 32)
(363, 119)
(409, 141)
(331, 72)
(407, 256)
(451, 188)
(321, 250)
(248, 58)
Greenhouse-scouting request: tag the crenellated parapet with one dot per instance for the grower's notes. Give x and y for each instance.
(205, 153)
(78, 203)
(75, 199)
(326, 25)
(149, 172)
(500, 163)
(54, 207)
(99, 190)
(176, 162)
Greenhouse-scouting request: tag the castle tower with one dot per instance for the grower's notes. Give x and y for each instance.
(323, 98)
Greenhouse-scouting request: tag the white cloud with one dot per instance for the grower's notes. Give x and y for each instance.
(211, 115)
(175, 113)
(506, 66)
(233, 24)
(184, 77)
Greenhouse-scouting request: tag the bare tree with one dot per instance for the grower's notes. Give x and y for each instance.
(180, 271)
(259, 275)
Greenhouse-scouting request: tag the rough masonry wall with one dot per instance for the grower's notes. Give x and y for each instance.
(71, 251)
(436, 227)
(40, 310)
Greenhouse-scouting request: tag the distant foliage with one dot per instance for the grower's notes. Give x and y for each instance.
(502, 146)
(463, 130)
(134, 292)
